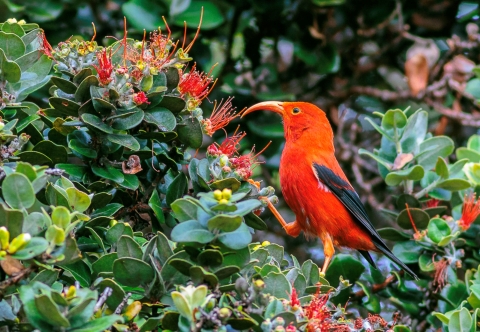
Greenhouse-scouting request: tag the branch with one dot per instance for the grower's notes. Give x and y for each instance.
(465, 119)
(16, 278)
(378, 287)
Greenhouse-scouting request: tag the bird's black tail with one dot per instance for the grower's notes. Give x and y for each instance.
(384, 249)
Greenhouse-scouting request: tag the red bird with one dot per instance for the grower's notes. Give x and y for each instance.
(315, 187)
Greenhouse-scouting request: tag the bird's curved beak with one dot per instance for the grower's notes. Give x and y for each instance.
(274, 106)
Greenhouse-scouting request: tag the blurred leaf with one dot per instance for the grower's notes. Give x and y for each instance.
(212, 17)
(132, 272)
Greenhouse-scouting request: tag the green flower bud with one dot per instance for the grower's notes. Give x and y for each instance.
(12, 20)
(2, 124)
(279, 321)
(113, 222)
(211, 304)
(4, 238)
(224, 313)
(3, 253)
(19, 243)
(266, 325)
(223, 161)
(279, 329)
(241, 285)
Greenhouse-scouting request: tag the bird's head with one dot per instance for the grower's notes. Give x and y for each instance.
(300, 119)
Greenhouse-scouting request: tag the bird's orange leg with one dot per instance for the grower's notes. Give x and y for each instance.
(328, 251)
(292, 229)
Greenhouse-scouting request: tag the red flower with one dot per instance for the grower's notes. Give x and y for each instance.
(318, 314)
(228, 147)
(441, 269)
(470, 211)
(105, 67)
(140, 98)
(195, 84)
(294, 301)
(432, 203)
(221, 116)
(46, 48)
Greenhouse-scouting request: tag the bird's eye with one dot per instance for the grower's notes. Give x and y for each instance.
(295, 110)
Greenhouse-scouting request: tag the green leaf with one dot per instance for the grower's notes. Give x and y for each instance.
(35, 247)
(56, 153)
(130, 181)
(238, 239)
(191, 231)
(78, 200)
(385, 163)
(108, 172)
(125, 140)
(471, 155)
(18, 191)
(35, 158)
(224, 223)
(419, 217)
(212, 16)
(438, 229)
(66, 106)
(155, 203)
(347, 267)
(49, 309)
(104, 263)
(394, 119)
(132, 272)
(414, 173)
(393, 234)
(127, 247)
(432, 148)
(162, 118)
(276, 284)
(95, 122)
(210, 257)
(414, 132)
(177, 188)
(190, 133)
(64, 85)
(460, 321)
(441, 168)
(12, 45)
(408, 251)
(184, 209)
(128, 120)
(140, 15)
(118, 294)
(99, 324)
(453, 184)
(10, 71)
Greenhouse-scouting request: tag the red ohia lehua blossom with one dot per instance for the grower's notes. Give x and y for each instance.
(470, 211)
(195, 84)
(105, 67)
(318, 314)
(45, 48)
(222, 114)
(228, 147)
(294, 301)
(243, 165)
(140, 98)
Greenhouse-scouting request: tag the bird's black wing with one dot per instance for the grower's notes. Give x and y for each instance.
(349, 198)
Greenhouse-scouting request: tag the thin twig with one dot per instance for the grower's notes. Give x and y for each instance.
(103, 298)
(378, 287)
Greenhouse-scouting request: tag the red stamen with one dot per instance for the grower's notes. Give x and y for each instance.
(470, 211)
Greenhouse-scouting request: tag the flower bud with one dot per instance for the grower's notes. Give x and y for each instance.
(223, 161)
(2, 124)
(19, 243)
(279, 321)
(113, 222)
(4, 238)
(12, 20)
(71, 292)
(217, 194)
(227, 193)
(279, 329)
(223, 201)
(266, 325)
(224, 313)
(258, 285)
(241, 285)
(265, 243)
(22, 22)
(211, 304)
(3, 253)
